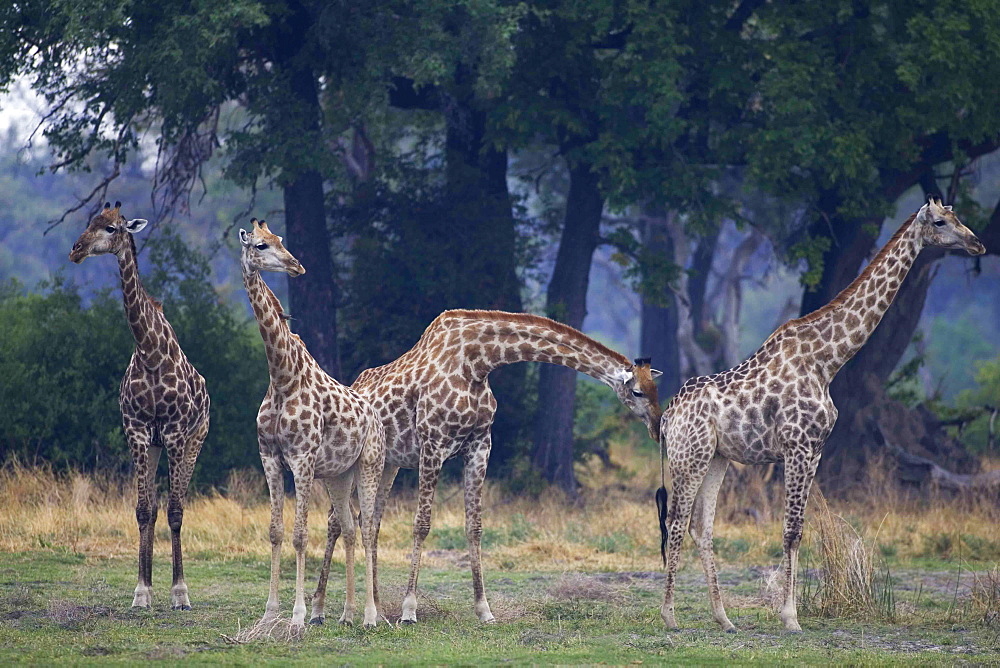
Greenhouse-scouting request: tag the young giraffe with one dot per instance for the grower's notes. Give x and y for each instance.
(316, 427)
(435, 402)
(163, 400)
(776, 407)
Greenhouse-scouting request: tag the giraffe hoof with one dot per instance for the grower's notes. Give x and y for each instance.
(316, 621)
(182, 607)
(731, 630)
(346, 622)
(408, 622)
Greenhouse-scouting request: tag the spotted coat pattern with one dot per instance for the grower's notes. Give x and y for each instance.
(776, 407)
(435, 403)
(163, 400)
(317, 428)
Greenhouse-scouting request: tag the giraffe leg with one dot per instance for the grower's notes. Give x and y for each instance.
(800, 469)
(381, 499)
(303, 488)
(181, 470)
(430, 471)
(276, 490)
(702, 520)
(146, 457)
(340, 508)
(474, 474)
(333, 531)
(369, 477)
(687, 480)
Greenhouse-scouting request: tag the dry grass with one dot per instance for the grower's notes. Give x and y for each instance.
(853, 580)
(613, 527)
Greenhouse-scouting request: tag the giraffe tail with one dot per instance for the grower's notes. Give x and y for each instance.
(661, 507)
(661, 502)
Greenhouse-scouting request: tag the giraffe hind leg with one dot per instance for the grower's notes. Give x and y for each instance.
(702, 519)
(333, 531)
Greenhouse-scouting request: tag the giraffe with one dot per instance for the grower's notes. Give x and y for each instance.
(317, 428)
(435, 402)
(776, 406)
(163, 400)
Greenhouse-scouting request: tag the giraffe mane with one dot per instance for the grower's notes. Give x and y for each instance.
(532, 319)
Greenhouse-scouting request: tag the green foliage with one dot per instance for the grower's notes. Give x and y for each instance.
(62, 362)
(61, 365)
(984, 403)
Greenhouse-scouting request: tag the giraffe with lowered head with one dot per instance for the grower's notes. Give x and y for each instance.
(163, 400)
(776, 407)
(316, 427)
(435, 403)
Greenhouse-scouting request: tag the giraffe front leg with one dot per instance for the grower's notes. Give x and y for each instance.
(800, 469)
(181, 470)
(303, 488)
(430, 471)
(333, 530)
(145, 458)
(476, 459)
(276, 490)
(702, 521)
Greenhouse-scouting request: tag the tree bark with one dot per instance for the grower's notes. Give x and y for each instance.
(486, 241)
(312, 296)
(566, 301)
(658, 330)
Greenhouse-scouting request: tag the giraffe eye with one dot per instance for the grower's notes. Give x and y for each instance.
(110, 228)
(938, 223)
(637, 393)
(261, 246)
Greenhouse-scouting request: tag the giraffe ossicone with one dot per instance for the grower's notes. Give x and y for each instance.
(317, 428)
(776, 407)
(163, 400)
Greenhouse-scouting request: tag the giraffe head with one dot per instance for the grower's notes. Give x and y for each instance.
(939, 226)
(264, 251)
(106, 233)
(638, 392)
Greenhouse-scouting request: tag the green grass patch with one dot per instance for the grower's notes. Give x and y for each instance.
(60, 607)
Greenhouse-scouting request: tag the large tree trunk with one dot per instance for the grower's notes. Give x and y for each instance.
(486, 240)
(312, 295)
(658, 330)
(567, 302)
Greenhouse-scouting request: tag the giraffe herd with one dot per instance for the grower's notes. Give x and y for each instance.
(435, 403)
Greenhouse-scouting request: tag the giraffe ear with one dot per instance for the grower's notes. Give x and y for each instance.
(136, 224)
(244, 237)
(655, 373)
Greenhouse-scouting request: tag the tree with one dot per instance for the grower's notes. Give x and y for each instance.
(855, 100)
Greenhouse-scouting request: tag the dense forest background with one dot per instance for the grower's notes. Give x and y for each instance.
(675, 180)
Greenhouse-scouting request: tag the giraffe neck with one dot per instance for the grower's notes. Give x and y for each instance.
(498, 339)
(279, 344)
(856, 311)
(154, 338)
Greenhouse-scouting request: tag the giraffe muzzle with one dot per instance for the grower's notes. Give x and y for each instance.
(77, 255)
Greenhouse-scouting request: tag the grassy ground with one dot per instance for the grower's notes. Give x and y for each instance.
(58, 606)
(568, 583)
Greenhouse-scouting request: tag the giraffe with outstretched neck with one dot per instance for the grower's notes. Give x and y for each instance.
(776, 407)
(435, 403)
(317, 428)
(163, 400)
